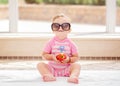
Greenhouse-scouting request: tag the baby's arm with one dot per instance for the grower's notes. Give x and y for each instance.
(71, 59)
(74, 58)
(47, 56)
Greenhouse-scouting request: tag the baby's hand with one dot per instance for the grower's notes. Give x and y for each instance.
(66, 60)
(55, 59)
(63, 58)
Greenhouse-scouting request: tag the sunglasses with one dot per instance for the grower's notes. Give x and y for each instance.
(64, 26)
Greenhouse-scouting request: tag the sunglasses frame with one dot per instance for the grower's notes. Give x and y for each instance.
(60, 25)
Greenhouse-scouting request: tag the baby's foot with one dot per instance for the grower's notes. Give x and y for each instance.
(73, 79)
(48, 77)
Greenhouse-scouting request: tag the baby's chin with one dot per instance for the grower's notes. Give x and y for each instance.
(61, 35)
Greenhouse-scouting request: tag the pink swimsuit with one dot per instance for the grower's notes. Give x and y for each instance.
(55, 46)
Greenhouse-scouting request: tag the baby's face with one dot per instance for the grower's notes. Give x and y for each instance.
(61, 27)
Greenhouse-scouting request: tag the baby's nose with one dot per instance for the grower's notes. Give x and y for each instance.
(60, 28)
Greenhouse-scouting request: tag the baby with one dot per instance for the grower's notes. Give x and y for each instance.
(60, 44)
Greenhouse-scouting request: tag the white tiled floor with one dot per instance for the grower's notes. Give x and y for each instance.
(85, 65)
(93, 73)
(32, 78)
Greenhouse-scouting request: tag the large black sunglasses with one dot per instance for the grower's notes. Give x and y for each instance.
(56, 26)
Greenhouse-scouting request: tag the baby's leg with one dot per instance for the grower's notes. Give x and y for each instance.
(74, 73)
(45, 72)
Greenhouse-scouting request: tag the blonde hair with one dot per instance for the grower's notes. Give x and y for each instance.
(60, 15)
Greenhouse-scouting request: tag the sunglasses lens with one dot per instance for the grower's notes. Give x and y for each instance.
(65, 26)
(55, 27)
